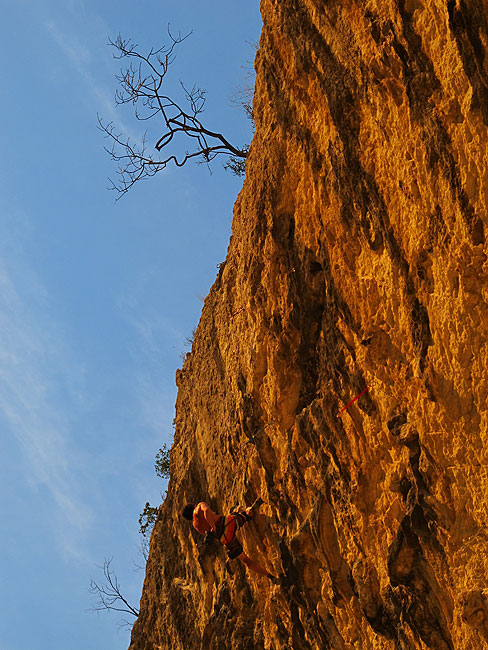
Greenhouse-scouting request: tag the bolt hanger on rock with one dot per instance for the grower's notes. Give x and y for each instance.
(252, 439)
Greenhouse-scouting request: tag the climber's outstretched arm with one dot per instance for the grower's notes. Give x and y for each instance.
(254, 566)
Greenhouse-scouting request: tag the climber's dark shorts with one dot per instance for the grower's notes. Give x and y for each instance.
(225, 532)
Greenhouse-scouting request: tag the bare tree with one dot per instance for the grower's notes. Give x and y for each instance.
(143, 550)
(243, 95)
(141, 84)
(109, 596)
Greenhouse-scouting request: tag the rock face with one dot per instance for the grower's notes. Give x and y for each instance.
(357, 259)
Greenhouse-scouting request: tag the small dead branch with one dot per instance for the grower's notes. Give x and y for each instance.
(109, 596)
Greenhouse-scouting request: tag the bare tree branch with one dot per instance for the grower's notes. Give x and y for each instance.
(243, 95)
(143, 550)
(141, 84)
(109, 595)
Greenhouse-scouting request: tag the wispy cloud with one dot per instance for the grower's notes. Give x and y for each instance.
(37, 387)
(155, 346)
(87, 57)
(77, 53)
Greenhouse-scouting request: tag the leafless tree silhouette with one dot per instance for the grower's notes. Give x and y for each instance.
(108, 595)
(242, 97)
(141, 84)
(143, 550)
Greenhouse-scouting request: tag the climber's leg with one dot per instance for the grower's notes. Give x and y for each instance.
(254, 566)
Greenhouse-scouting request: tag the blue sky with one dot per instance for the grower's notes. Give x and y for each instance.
(97, 297)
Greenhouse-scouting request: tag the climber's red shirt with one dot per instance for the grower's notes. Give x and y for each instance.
(204, 519)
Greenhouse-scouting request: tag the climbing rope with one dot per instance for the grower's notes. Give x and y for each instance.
(237, 312)
(357, 397)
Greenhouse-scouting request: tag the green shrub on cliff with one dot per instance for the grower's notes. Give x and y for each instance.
(147, 519)
(148, 516)
(162, 462)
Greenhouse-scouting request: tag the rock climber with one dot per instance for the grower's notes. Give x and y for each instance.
(224, 528)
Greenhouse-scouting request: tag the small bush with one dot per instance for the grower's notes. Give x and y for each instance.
(236, 166)
(147, 519)
(162, 462)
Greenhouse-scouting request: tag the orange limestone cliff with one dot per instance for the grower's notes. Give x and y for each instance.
(357, 260)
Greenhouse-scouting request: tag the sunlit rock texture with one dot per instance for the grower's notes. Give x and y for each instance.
(357, 259)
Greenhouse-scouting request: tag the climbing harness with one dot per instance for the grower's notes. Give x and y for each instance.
(226, 529)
